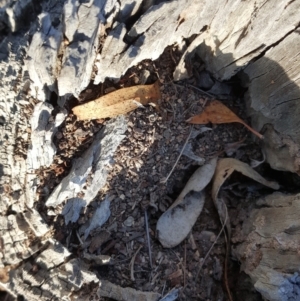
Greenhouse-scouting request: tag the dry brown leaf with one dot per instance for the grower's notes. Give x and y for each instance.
(225, 167)
(198, 181)
(118, 102)
(217, 113)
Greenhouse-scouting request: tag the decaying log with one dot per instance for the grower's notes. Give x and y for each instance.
(50, 276)
(269, 251)
(273, 100)
(65, 52)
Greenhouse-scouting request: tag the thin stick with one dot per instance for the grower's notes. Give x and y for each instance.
(164, 180)
(132, 264)
(227, 238)
(201, 91)
(184, 265)
(148, 239)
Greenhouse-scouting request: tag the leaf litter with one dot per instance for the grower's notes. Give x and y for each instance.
(148, 153)
(176, 223)
(217, 113)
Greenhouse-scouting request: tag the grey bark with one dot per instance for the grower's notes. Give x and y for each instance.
(257, 37)
(268, 246)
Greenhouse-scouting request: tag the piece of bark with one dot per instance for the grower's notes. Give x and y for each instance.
(98, 259)
(224, 49)
(114, 45)
(15, 240)
(42, 62)
(98, 157)
(36, 222)
(65, 66)
(99, 217)
(50, 276)
(273, 102)
(110, 290)
(83, 42)
(268, 247)
(153, 35)
(12, 13)
(42, 150)
(13, 122)
(233, 34)
(128, 9)
(72, 209)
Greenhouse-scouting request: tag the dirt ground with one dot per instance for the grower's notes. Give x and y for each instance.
(138, 190)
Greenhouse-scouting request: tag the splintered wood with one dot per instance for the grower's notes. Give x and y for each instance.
(119, 102)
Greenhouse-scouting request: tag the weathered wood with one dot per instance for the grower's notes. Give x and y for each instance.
(64, 55)
(108, 289)
(97, 156)
(273, 100)
(50, 276)
(13, 121)
(269, 245)
(41, 150)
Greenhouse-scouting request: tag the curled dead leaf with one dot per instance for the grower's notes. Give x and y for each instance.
(118, 102)
(198, 181)
(225, 167)
(217, 113)
(176, 223)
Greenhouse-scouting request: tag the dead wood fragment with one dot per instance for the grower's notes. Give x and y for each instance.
(15, 240)
(268, 246)
(98, 259)
(72, 209)
(273, 102)
(131, 264)
(42, 150)
(98, 157)
(148, 239)
(224, 169)
(47, 277)
(107, 289)
(99, 217)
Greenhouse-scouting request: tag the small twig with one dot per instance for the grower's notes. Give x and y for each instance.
(172, 56)
(78, 236)
(163, 290)
(184, 265)
(227, 239)
(148, 239)
(164, 180)
(131, 264)
(201, 91)
(155, 277)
